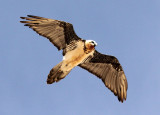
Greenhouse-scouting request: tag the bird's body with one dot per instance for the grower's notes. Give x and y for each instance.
(79, 52)
(75, 57)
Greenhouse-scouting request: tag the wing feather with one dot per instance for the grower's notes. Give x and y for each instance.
(110, 71)
(58, 32)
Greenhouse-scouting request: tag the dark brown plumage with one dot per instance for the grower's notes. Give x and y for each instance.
(110, 71)
(58, 32)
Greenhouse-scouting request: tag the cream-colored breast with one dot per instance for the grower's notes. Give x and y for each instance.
(74, 57)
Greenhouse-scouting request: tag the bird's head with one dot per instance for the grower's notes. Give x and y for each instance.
(90, 45)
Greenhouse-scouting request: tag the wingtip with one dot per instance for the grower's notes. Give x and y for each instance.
(122, 99)
(22, 17)
(30, 15)
(33, 16)
(22, 21)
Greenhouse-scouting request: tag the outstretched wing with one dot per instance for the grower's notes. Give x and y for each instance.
(58, 32)
(110, 71)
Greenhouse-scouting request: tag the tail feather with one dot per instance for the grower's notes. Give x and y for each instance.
(56, 74)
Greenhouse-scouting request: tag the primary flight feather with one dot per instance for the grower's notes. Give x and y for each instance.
(79, 52)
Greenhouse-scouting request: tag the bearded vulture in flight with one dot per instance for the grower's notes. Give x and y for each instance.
(79, 52)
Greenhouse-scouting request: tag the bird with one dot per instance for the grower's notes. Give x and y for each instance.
(78, 52)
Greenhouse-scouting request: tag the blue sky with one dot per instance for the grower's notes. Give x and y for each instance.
(127, 29)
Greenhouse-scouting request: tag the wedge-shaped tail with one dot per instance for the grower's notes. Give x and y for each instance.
(56, 74)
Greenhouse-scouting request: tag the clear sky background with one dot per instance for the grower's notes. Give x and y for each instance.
(127, 29)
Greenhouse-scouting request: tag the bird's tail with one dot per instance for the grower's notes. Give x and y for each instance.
(56, 74)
